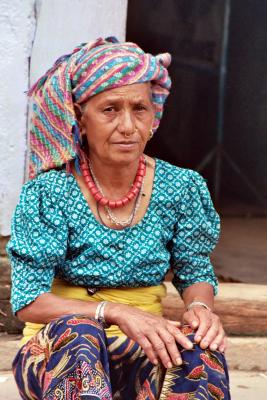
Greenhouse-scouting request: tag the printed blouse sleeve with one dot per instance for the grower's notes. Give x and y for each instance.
(196, 234)
(37, 245)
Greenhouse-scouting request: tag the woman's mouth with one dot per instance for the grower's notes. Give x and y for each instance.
(123, 145)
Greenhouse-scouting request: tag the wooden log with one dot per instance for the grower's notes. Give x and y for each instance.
(4, 270)
(4, 291)
(8, 323)
(241, 307)
(3, 243)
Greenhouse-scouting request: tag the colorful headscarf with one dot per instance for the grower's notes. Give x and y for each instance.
(90, 69)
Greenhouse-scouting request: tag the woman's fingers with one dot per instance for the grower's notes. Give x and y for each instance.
(205, 322)
(223, 346)
(161, 343)
(181, 338)
(159, 337)
(211, 333)
(219, 343)
(191, 319)
(164, 350)
(171, 337)
(218, 340)
(175, 323)
(146, 345)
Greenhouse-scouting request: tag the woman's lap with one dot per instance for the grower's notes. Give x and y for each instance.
(71, 358)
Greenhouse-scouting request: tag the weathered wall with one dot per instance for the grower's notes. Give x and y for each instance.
(61, 26)
(33, 34)
(17, 25)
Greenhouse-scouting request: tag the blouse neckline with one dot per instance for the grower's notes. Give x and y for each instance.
(128, 228)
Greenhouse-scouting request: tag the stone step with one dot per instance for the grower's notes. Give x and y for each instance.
(243, 353)
(241, 307)
(243, 385)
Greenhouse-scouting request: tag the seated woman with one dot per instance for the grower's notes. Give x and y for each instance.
(95, 232)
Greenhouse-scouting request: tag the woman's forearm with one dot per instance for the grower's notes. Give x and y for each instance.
(48, 306)
(200, 291)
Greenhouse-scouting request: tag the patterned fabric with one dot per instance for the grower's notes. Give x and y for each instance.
(90, 69)
(71, 358)
(55, 234)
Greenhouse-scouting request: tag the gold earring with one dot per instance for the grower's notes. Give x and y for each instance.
(151, 134)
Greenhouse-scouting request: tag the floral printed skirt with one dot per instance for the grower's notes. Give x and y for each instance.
(71, 358)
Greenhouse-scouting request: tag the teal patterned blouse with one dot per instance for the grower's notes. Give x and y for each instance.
(55, 234)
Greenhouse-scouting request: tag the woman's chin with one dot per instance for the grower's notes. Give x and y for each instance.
(126, 157)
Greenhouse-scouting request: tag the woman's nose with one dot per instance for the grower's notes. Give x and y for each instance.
(126, 124)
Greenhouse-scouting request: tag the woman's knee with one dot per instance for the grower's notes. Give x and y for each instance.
(212, 360)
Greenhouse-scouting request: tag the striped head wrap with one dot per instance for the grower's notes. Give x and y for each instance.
(90, 69)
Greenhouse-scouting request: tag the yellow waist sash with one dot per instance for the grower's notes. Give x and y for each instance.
(146, 298)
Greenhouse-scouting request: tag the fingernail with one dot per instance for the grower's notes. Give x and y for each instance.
(198, 338)
(194, 324)
(222, 349)
(204, 344)
(214, 347)
(169, 365)
(178, 361)
(190, 345)
(155, 362)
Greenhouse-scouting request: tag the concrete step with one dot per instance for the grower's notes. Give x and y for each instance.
(243, 353)
(244, 385)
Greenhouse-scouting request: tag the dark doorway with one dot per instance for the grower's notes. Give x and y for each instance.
(192, 31)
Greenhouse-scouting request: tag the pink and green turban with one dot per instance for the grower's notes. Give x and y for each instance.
(90, 69)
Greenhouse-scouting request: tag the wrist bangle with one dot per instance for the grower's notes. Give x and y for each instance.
(198, 303)
(100, 314)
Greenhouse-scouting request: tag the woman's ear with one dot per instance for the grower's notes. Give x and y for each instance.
(78, 112)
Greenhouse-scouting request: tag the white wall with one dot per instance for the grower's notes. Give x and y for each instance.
(61, 26)
(17, 24)
(64, 24)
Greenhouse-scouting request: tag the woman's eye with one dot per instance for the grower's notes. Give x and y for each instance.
(109, 109)
(140, 107)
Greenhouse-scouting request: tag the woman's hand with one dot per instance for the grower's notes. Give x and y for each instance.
(157, 336)
(209, 330)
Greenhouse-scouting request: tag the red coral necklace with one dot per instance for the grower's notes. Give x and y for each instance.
(102, 200)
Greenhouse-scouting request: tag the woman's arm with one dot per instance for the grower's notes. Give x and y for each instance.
(48, 307)
(210, 332)
(201, 291)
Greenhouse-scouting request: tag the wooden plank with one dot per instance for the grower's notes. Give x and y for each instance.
(4, 271)
(241, 307)
(9, 323)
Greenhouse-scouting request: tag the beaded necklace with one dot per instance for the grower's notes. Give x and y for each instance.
(110, 215)
(100, 198)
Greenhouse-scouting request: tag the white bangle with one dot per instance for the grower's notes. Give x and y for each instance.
(100, 314)
(197, 303)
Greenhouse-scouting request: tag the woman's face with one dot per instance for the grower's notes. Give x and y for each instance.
(117, 123)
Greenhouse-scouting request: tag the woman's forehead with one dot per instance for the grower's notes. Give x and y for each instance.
(135, 92)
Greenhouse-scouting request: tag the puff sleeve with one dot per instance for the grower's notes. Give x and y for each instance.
(196, 233)
(38, 241)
